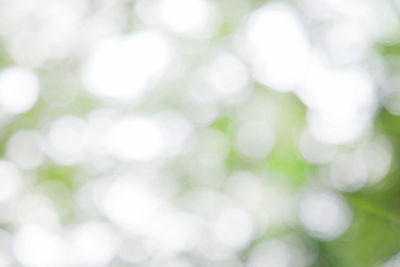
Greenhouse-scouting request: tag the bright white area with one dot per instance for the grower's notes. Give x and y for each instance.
(24, 148)
(19, 90)
(276, 46)
(65, 140)
(225, 78)
(136, 138)
(37, 246)
(92, 244)
(255, 140)
(233, 227)
(11, 181)
(324, 214)
(124, 68)
(348, 173)
(190, 18)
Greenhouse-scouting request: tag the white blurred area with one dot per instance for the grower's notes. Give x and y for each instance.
(124, 67)
(19, 90)
(145, 174)
(324, 214)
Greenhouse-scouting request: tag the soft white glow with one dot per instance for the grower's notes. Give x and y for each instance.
(246, 188)
(226, 75)
(330, 128)
(59, 89)
(255, 140)
(277, 46)
(132, 250)
(348, 173)
(314, 151)
(11, 181)
(176, 128)
(66, 140)
(176, 263)
(277, 253)
(341, 101)
(278, 205)
(99, 123)
(129, 205)
(171, 232)
(24, 148)
(92, 244)
(136, 138)
(36, 209)
(347, 42)
(324, 214)
(376, 19)
(339, 91)
(233, 228)
(205, 202)
(38, 247)
(207, 170)
(377, 156)
(328, 9)
(6, 257)
(19, 90)
(207, 164)
(51, 33)
(124, 68)
(194, 17)
(188, 18)
(212, 249)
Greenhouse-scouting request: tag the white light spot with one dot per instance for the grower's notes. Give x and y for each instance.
(19, 90)
(324, 214)
(314, 151)
(66, 140)
(246, 188)
(36, 209)
(233, 228)
(51, 33)
(226, 74)
(132, 250)
(176, 129)
(136, 138)
(129, 205)
(255, 140)
(176, 263)
(347, 42)
(38, 247)
(10, 180)
(6, 257)
(326, 89)
(348, 173)
(377, 156)
(277, 253)
(331, 128)
(124, 68)
(93, 244)
(171, 232)
(341, 101)
(277, 47)
(24, 148)
(192, 17)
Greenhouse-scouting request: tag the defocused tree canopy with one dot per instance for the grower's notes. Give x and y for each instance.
(192, 133)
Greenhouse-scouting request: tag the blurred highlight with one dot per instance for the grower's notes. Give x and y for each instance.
(190, 133)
